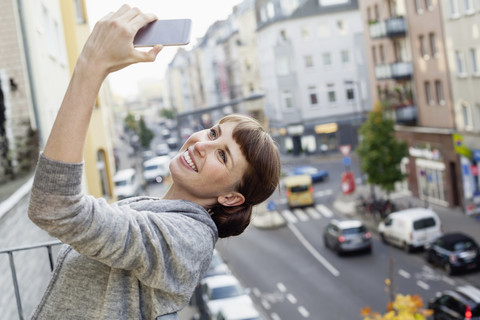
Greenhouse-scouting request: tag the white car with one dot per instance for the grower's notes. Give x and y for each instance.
(156, 169)
(220, 291)
(126, 184)
(410, 228)
(238, 312)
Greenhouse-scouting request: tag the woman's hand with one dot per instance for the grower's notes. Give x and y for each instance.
(110, 45)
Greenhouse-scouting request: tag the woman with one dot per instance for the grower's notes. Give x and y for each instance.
(142, 257)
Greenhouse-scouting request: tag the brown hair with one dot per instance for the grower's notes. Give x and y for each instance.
(258, 182)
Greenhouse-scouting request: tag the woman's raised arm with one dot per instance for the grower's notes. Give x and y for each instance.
(109, 48)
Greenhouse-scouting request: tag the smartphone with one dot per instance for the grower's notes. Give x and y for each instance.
(172, 32)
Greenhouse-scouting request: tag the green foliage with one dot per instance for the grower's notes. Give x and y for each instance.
(380, 152)
(130, 122)
(145, 134)
(167, 113)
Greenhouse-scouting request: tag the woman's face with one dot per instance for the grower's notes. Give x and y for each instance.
(209, 164)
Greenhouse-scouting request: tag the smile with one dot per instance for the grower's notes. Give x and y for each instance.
(189, 161)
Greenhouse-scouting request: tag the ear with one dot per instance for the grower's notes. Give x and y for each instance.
(231, 199)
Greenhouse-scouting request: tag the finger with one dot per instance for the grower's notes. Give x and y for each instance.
(148, 56)
(123, 9)
(141, 20)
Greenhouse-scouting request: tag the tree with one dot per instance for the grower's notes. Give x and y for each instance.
(405, 307)
(167, 113)
(145, 134)
(379, 151)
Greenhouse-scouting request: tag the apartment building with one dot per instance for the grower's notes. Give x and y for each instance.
(313, 70)
(461, 24)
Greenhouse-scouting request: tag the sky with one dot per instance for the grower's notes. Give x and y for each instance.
(202, 12)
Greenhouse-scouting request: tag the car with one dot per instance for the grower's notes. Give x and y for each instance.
(126, 184)
(411, 228)
(347, 235)
(162, 149)
(317, 175)
(155, 169)
(238, 312)
(299, 191)
(453, 252)
(219, 291)
(217, 266)
(460, 303)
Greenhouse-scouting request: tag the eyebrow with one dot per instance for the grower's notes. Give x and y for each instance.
(226, 146)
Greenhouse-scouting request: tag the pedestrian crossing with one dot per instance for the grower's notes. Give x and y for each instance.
(296, 215)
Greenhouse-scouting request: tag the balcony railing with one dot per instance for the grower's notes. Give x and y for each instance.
(406, 115)
(10, 252)
(397, 70)
(392, 27)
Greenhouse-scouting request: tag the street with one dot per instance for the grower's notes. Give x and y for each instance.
(289, 272)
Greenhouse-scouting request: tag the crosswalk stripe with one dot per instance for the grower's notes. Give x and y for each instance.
(313, 213)
(324, 210)
(289, 216)
(302, 216)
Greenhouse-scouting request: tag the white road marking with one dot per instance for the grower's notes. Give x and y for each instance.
(324, 210)
(302, 216)
(265, 304)
(448, 280)
(289, 216)
(423, 285)
(313, 252)
(275, 316)
(304, 312)
(256, 292)
(404, 274)
(281, 287)
(283, 201)
(291, 298)
(313, 213)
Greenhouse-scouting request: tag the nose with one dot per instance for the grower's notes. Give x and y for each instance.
(202, 147)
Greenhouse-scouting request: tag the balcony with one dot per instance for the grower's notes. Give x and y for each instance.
(397, 71)
(406, 114)
(393, 27)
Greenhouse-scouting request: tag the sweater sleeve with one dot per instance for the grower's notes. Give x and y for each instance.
(158, 247)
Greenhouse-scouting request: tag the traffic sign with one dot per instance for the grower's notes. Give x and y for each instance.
(345, 149)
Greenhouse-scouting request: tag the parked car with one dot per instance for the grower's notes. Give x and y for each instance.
(219, 291)
(317, 175)
(299, 191)
(347, 236)
(454, 252)
(162, 149)
(461, 303)
(411, 228)
(238, 312)
(156, 169)
(217, 266)
(126, 184)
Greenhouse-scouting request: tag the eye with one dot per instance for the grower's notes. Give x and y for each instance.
(213, 133)
(223, 156)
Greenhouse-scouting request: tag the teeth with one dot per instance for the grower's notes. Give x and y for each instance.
(189, 160)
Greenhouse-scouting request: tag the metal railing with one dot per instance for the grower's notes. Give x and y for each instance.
(48, 246)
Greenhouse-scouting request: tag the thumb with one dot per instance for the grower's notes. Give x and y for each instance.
(150, 55)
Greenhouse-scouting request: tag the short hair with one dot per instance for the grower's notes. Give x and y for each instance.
(260, 179)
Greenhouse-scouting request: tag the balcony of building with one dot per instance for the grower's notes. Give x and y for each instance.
(392, 27)
(401, 70)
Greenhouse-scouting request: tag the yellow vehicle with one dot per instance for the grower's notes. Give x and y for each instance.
(299, 191)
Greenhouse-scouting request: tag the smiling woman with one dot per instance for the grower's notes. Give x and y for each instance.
(141, 258)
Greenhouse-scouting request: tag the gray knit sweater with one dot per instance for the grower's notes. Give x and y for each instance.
(137, 259)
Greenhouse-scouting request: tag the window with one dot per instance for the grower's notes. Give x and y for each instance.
(374, 55)
(350, 94)
(305, 33)
(428, 5)
(331, 93)
(439, 92)
(369, 14)
(477, 116)
(312, 93)
(270, 10)
(79, 13)
(468, 7)
(342, 27)
(433, 44)
(287, 99)
(345, 56)
(418, 6)
(423, 47)
(308, 61)
(327, 59)
(283, 67)
(428, 93)
(473, 60)
(382, 53)
(460, 63)
(467, 116)
(376, 12)
(323, 31)
(453, 7)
